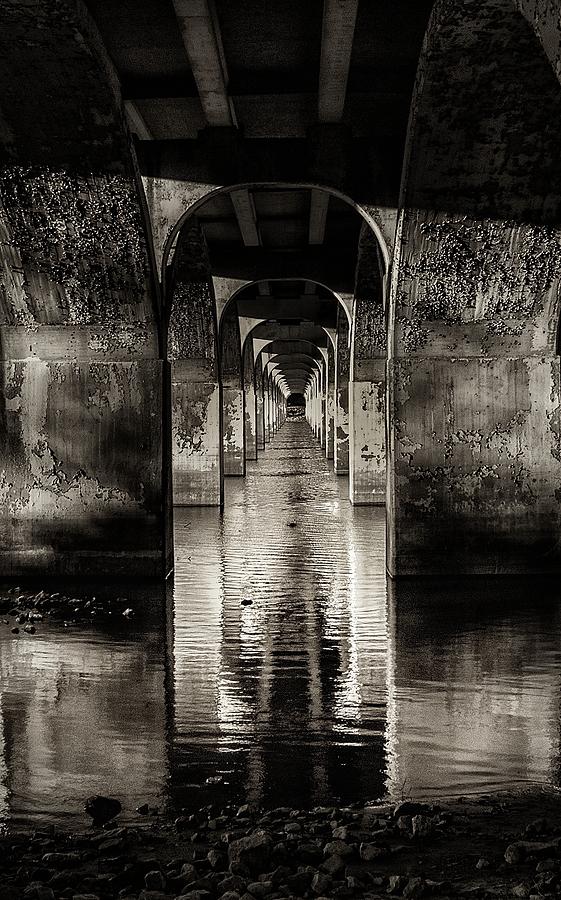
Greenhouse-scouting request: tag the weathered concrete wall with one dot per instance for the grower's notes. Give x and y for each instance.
(196, 431)
(233, 425)
(250, 411)
(367, 458)
(83, 469)
(475, 465)
(259, 407)
(367, 438)
(196, 393)
(233, 403)
(342, 363)
(477, 476)
(330, 403)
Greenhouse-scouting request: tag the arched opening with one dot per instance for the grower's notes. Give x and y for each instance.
(274, 261)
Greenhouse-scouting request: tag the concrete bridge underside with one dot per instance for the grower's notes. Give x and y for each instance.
(207, 208)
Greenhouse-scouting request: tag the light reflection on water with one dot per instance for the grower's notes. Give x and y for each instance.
(328, 685)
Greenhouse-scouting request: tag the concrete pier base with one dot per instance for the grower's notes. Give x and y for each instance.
(367, 457)
(341, 437)
(233, 424)
(196, 436)
(475, 466)
(82, 467)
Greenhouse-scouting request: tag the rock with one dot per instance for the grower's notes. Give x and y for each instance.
(482, 863)
(414, 888)
(230, 895)
(408, 808)
(521, 890)
(260, 889)
(155, 881)
(195, 895)
(321, 883)
(547, 865)
(38, 891)
(405, 824)
(56, 860)
(252, 852)
(338, 848)
(232, 884)
(333, 865)
(396, 884)
(422, 826)
(521, 850)
(309, 853)
(370, 852)
(102, 809)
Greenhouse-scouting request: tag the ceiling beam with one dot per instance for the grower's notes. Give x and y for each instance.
(244, 208)
(201, 38)
(136, 122)
(338, 27)
(319, 203)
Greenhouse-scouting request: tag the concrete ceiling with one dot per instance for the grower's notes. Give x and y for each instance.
(272, 69)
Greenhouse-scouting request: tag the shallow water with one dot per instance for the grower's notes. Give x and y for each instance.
(331, 684)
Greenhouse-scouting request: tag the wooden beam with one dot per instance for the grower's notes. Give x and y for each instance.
(244, 208)
(339, 18)
(201, 38)
(319, 202)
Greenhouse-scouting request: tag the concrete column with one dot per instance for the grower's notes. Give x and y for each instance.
(475, 451)
(367, 457)
(268, 409)
(232, 377)
(81, 457)
(330, 404)
(341, 401)
(250, 399)
(250, 422)
(259, 413)
(233, 427)
(197, 437)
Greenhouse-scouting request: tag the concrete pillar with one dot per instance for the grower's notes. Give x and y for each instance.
(330, 403)
(367, 414)
(367, 392)
(259, 412)
(250, 402)
(233, 428)
(196, 434)
(341, 423)
(231, 376)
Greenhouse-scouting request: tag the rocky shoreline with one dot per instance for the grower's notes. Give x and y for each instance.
(505, 845)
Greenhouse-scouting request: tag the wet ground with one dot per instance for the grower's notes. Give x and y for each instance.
(281, 668)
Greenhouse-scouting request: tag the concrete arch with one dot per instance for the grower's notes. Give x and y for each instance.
(237, 295)
(181, 209)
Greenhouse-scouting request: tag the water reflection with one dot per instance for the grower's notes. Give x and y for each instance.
(282, 670)
(82, 711)
(293, 682)
(475, 675)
